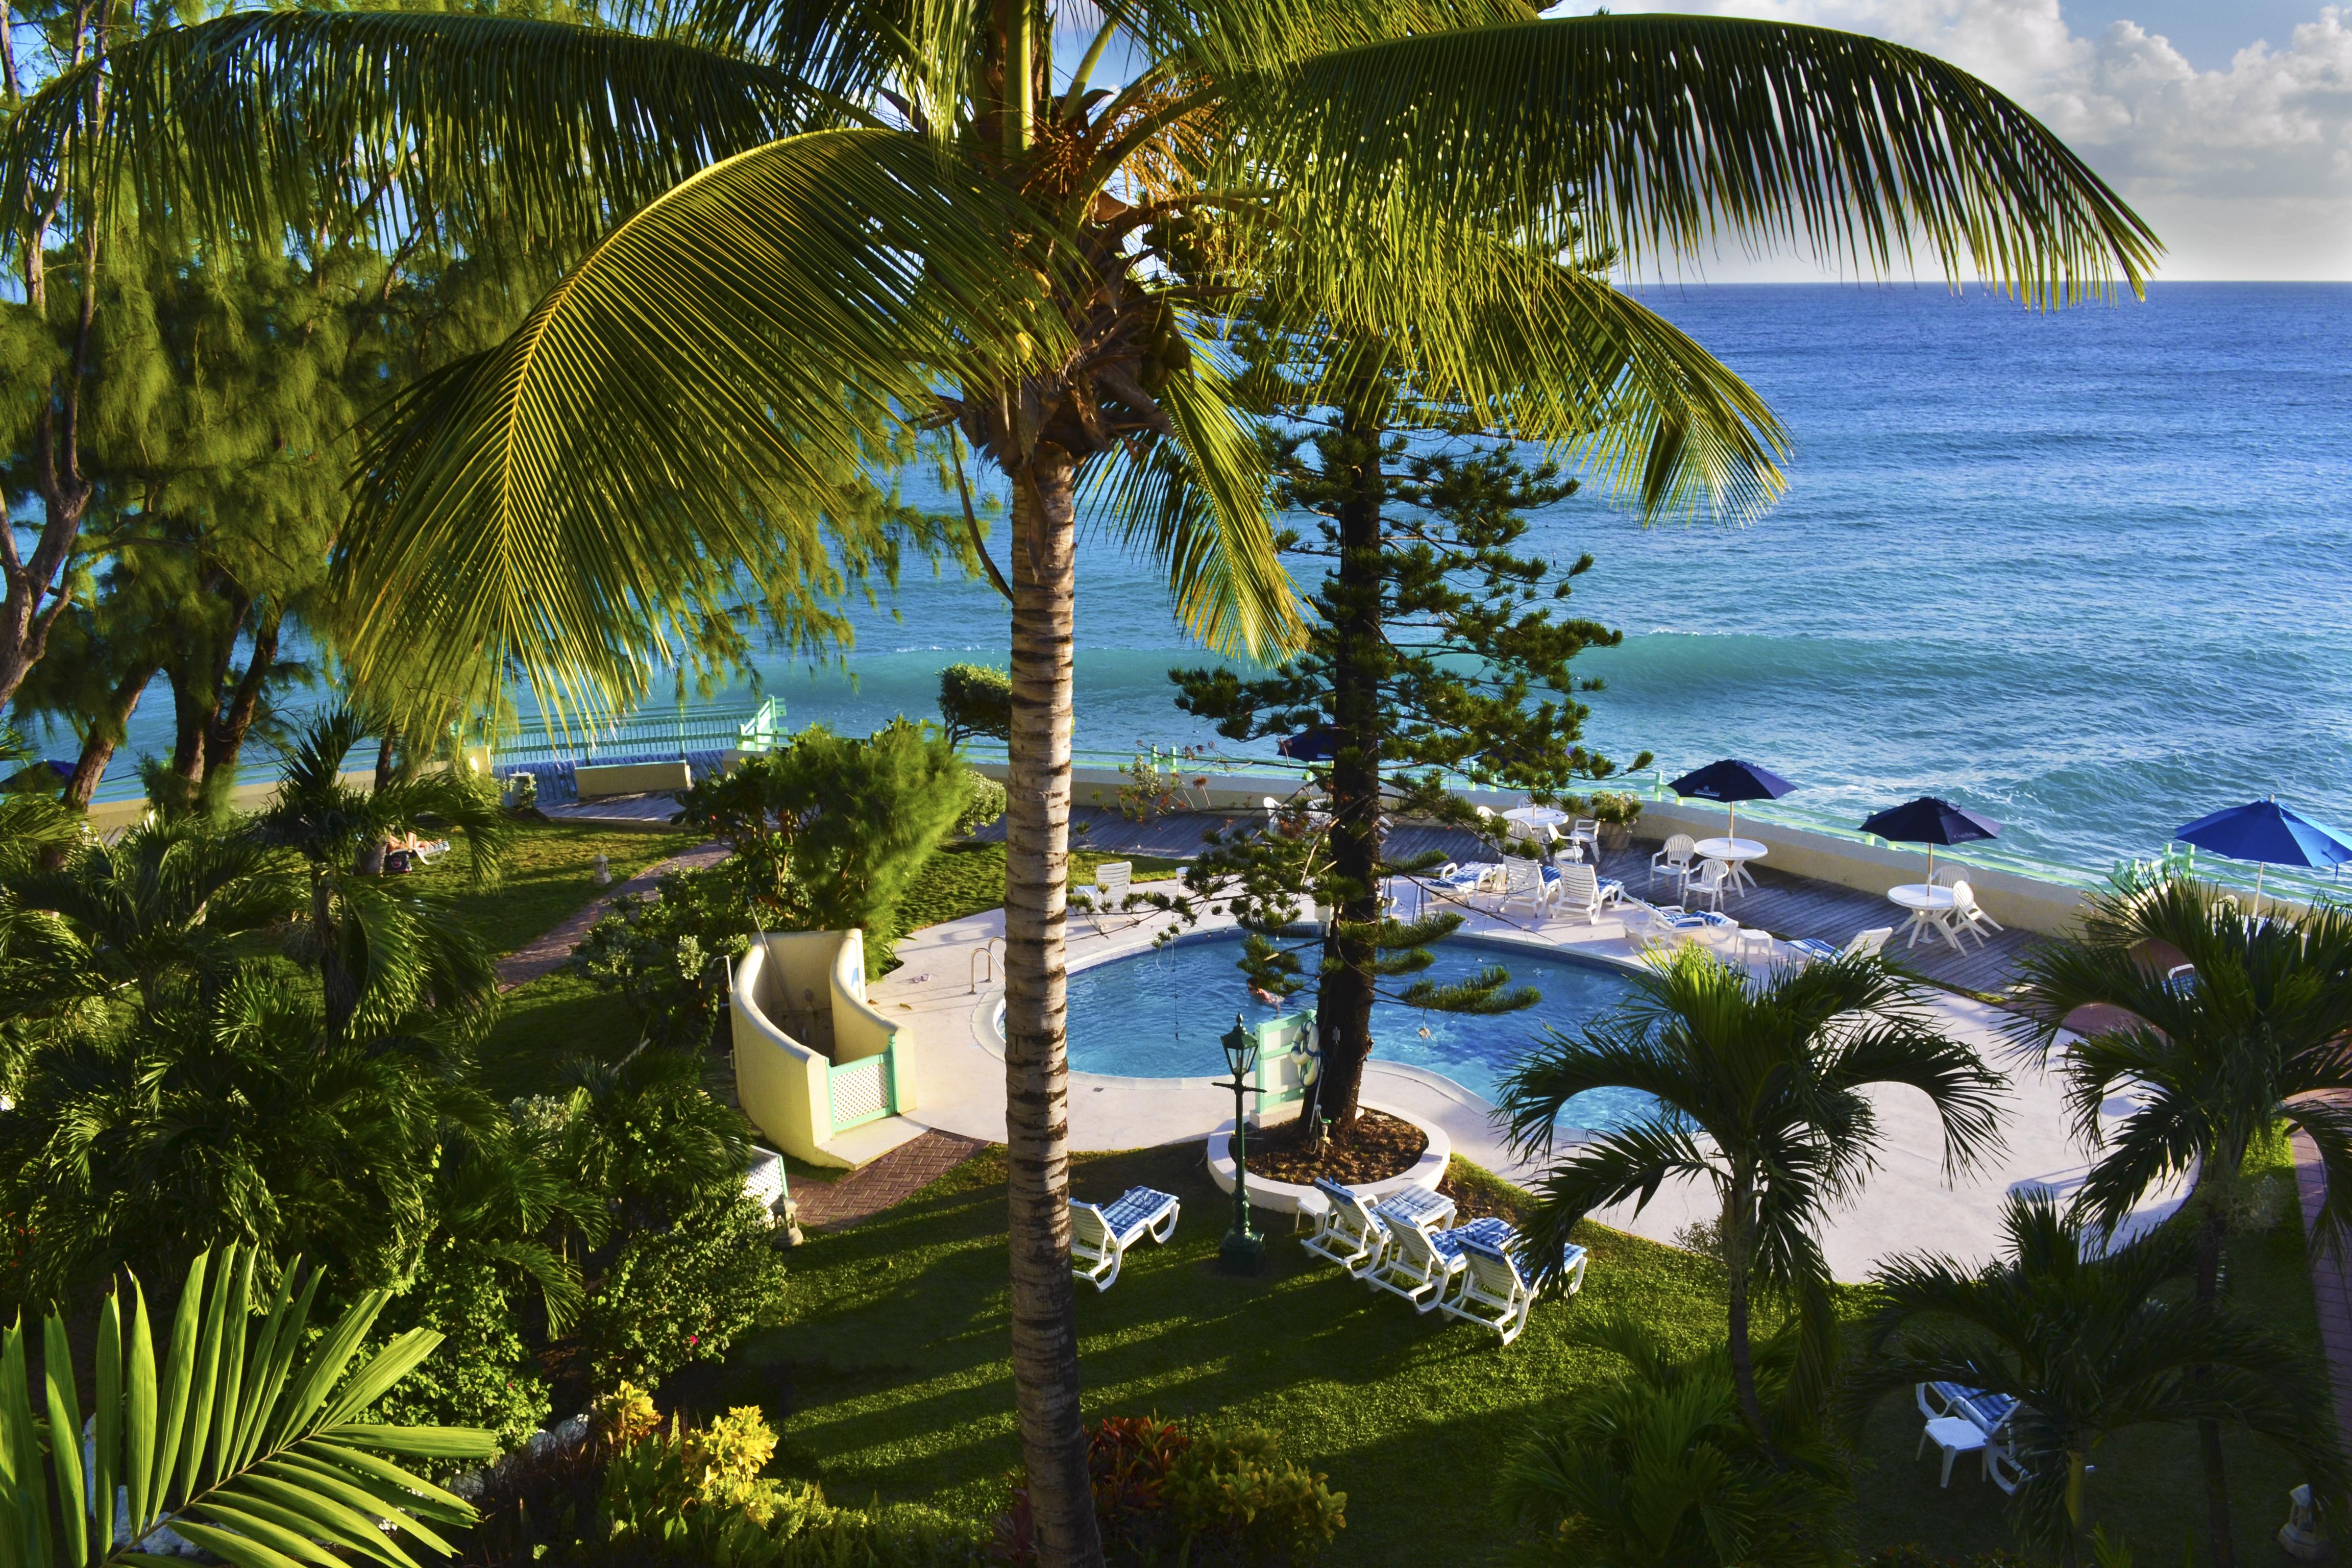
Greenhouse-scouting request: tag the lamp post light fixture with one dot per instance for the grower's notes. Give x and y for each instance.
(1243, 1251)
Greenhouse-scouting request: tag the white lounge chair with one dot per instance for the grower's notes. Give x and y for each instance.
(1674, 860)
(1865, 944)
(1523, 882)
(1100, 1235)
(2181, 981)
(1349, 1233)
(1112, 879)
(1581, 890)
(1990, 1414)
(1493, 1293)
(1417, 1266)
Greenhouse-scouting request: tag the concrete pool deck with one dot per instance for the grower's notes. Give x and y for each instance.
(945, 1004)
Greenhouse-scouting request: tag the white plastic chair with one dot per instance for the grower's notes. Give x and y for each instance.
(1586, 831)
(1865, 944)
(1674, 859)
(1581, 890)
(1111, 881)
(2181, 981)
(1100, 1235)
(1709, 883)
(1963, 902)
(1347, 1233)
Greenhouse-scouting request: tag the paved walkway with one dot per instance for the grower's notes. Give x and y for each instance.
(2331, 1284)
(949, 1035)
(546, 955)
(878, 1184)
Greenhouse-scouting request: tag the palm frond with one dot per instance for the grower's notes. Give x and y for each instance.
(1651, 136)
(231, 1445)
(693, 401)
(257, 122)
(1196, 504)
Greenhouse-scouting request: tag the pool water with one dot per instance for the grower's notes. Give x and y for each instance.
(1161, 1014)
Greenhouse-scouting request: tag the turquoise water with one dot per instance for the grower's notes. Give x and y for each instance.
(1159, 1016)
(2088, 572)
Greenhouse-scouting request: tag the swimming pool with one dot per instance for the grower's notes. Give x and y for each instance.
(1159, 1015)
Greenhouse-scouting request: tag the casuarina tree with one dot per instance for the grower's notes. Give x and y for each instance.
(1437, 651)
(790, 234)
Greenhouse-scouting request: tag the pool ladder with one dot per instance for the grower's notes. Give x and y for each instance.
(984, 958)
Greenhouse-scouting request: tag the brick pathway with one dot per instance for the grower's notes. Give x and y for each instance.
(547, 953)
(2331, 1285)
(891, 1179)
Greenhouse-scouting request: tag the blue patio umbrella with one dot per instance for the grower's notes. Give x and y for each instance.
(1731, 781)
(1319, 744)
(2269, 835)
(1930, 821)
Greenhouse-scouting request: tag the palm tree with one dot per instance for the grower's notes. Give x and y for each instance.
(1758, 1090)
(1659, 1470)
(794, 234)
(249, 1439)
(2090, 1345)
(2259, 1036)
(373, 947)
(155, 909)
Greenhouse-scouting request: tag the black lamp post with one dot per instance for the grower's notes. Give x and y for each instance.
(1242, 1251)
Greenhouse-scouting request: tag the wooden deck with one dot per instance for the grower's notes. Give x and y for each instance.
(1784, 905)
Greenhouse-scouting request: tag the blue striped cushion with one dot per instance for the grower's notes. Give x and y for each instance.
(1137, 1205)
(1983, 1411)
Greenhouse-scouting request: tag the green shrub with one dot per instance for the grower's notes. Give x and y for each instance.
(1163, 1494)
(975, 700)
(667, 957)
(483, 1375)
(686, 1293)
(984, 802)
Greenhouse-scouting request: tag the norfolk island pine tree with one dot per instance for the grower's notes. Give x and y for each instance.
(792, 234)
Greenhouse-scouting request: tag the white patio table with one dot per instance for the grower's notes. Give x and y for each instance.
(1734, 853)
(1927, 902)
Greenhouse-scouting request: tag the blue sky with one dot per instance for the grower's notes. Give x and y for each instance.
(2207, 32)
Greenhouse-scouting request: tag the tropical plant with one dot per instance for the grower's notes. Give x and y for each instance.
(2258, 1034)
(2090, 1343)
(975, 700)
(246, 1440)
(1658, 1469)
(378, 951)
(827, 227)
(685, 1292)
(828, 831)
(669, 957)
(1435, 652)
(232, 1115)
(157, 909)
(1758, 1090)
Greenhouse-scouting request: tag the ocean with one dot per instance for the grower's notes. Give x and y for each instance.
(2087, 571)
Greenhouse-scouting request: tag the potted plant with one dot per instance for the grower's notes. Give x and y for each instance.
(1617, 814)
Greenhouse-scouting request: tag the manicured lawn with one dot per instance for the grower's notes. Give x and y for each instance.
(966, 878)
(554, 1019)
(546, 880)
(891, 1377)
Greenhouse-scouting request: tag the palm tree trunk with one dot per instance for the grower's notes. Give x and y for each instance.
(1344, 1000)
(1037, 1075)
(2212, 1231)
(1734, 1233)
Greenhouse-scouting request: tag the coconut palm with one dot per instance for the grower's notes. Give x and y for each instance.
(377, 949)
(249, 1439)
(1659, 1470)
(1759, 1093)
(2256, 1034)
(792, 235)
(2090, 1345)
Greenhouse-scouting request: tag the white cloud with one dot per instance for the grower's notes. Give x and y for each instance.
(2244, 172)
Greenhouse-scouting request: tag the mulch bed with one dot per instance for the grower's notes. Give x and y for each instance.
(1376, 1148)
